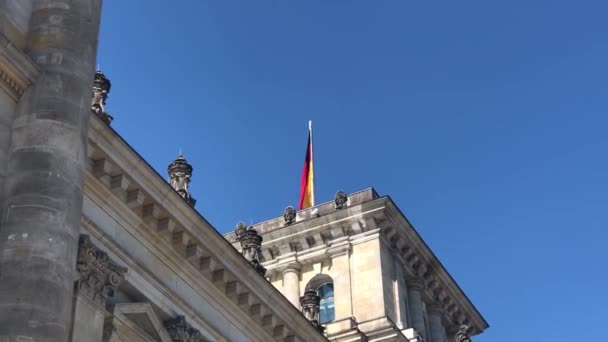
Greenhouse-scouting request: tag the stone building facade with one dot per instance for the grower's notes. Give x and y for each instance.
(95, 245)
(381, 280)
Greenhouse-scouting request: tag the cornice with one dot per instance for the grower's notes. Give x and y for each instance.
(17, 70)
(422, 263)
(322, 237)
(136, 187)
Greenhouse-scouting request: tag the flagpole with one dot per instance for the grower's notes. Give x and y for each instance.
(312, 197)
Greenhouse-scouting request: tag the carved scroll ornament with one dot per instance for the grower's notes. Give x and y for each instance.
(98, 276)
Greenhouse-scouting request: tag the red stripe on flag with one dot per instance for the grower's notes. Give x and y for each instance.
(304, 180)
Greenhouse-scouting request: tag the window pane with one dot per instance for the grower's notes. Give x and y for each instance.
(326, 309)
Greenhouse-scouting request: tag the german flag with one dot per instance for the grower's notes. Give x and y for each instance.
(307, 182)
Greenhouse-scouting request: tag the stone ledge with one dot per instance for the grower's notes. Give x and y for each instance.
(382, 328)
(340, 326)
(318, 211)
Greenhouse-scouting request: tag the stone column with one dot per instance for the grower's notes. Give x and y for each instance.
(98, 279)
(291, 284)
(435, 323)
(414, 291)
(43, 188)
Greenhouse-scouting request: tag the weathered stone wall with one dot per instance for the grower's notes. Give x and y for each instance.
(14, 20)
(7, 113)
(45, 170)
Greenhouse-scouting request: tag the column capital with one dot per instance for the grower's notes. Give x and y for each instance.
(415, 283)
(290, 267)
(435, 308)
(98, 276)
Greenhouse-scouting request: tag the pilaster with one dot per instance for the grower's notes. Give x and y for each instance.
(98, 279)
(340, 263)
(367, 285)
(400, 294)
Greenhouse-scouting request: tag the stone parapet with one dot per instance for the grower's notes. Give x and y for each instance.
(310, 213)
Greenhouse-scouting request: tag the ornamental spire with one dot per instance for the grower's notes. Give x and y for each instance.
(180, 173)
(251, 243)
(310, 304)
(101, 89)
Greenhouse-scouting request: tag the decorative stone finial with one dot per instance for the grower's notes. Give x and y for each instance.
(98, 276)
(101, 89)
(289, 215)
(341, 199)
(180, 331)
(463, 334)
(180, 173)
(240, 229)
(310, 303)
(251, 244)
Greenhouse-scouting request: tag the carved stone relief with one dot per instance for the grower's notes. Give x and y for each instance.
(180, 331)
(341, 200)
(98, 276)
(463, 334)
(101, 89)
(180, 173)
(289, 215)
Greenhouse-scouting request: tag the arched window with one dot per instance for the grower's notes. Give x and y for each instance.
(324, 286)
(326, 308)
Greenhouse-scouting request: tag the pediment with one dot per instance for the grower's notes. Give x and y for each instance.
(139, 322)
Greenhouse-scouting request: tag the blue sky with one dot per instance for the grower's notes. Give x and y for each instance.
(485, 121)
